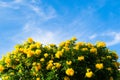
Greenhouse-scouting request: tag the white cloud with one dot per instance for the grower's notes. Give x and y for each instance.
(44, 13)
(49, 14)
(93, 36)
(116, 39)
(43, 36)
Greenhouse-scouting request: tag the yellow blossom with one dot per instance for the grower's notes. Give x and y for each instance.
(30, 40)
(57, 65)
(38, 45)
(89, 74)
(58, 54)
(62, 44)
(80, 43)
(84, 49)
(38, 52)
(20, 71)
(30, 53)
(38, 78)
(68, 62)
(70, 72)
(101, 44)
(109, 68)
(32, 46)
(42, 59)
(74, 38)
(76, 47)
(67, 42)
(109, 57)
(34, 63)
(1, 68)
(80, 58)
(37, 68)
(99, 65)
(49, 66)
(46, 55)
(111, 78)
(52, 45)
(66, 78)
(93, 50)
(89, 45)
(12, 73)
(7, 60)
(66, 48)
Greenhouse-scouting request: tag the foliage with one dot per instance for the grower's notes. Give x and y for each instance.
(70, 60)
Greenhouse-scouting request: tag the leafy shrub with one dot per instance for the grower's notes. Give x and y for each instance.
(70, 60)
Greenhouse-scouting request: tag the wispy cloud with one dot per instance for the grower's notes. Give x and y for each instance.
(111, 38)
(116, 39)
(93, 36)
(44, 13)
(38, 34)
(41, 13)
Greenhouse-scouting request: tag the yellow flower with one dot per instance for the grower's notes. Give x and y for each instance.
(20, 71)
(12, 73)
(30, 40)
(89, 74)
(37, 78)
(34, 63)
(62, 44)
(66, 48)
(52, 45)
(101, 44)
(80, 58)
(115, 55)
(76, 47)
(84, 49)
(42, 59)
(99, 65)
(109, 68)
(38, 45)
(111, 78)
(1, 68)
(68, 62)
(93, 50)
(50, 61)
(66, 78)
(74, 38)
(109, 57)
(5, 77)
(80, 43)
(57, 65)
(32, 46)
(70, 72)
(46, 55)
(7, 60)
(49, 66)
(38, 52)
(37, 68)
(67, 42)
(30, 53)
(89, 45)
(58, 54)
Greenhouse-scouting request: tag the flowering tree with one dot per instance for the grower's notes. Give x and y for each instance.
(70, 60)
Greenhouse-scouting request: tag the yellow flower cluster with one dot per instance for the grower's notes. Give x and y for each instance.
(99, 65)
(89, 73)
(80, 58)
(70, 60)
(70, 72)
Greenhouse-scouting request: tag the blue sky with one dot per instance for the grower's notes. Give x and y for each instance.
(53, 21)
